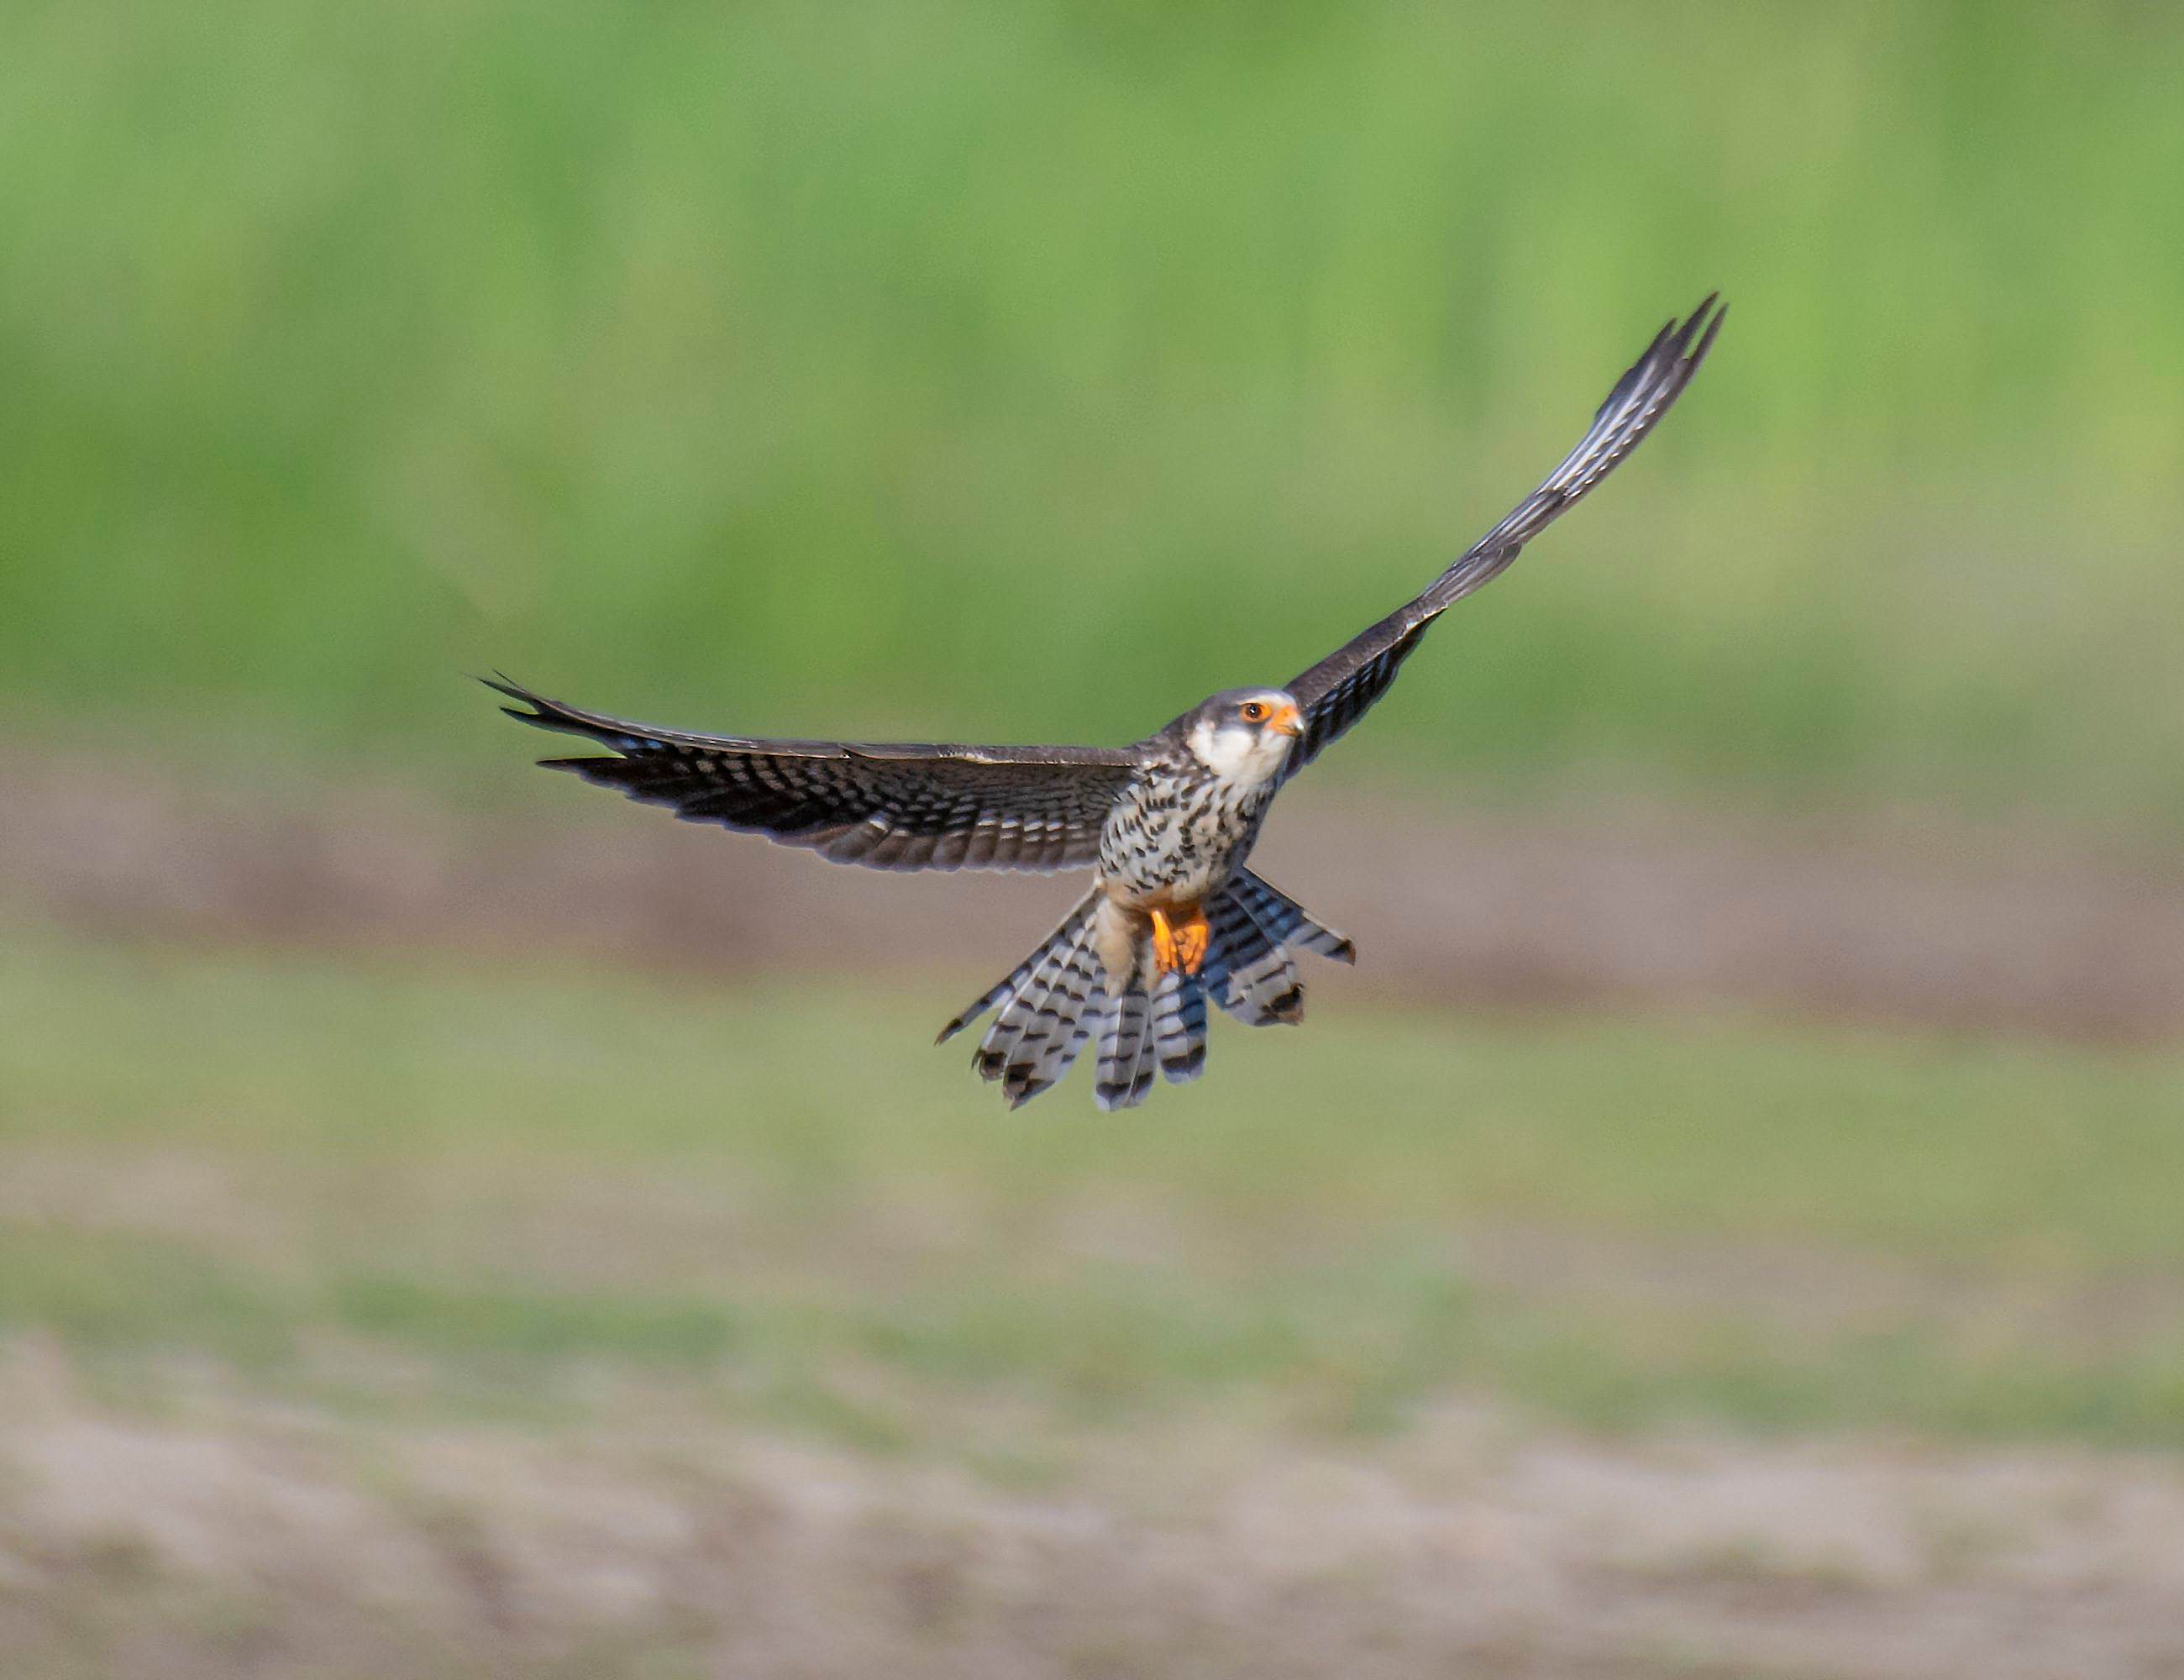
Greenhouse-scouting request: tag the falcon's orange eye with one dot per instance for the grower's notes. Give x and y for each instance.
(1255, 711)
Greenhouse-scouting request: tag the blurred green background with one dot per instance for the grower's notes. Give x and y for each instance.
(1030, 371)
(1025, 372)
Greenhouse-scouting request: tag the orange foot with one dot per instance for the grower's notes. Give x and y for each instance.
(1181, 945)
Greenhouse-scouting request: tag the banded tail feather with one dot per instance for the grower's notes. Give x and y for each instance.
(1060, 996)
(1248, 975)
(1287, 922)
(1125, 1073)
(1035, 1034)
(1249, 971)
(1180, 1026)
(1087, 1002)
(1062, 993)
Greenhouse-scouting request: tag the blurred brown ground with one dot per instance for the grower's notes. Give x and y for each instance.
(270, 1540)
(1914, 916)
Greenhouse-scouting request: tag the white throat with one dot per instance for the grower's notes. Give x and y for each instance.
(1242, 758)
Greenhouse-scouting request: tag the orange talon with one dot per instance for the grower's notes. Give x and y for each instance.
(1191, 941)
(1182, 944)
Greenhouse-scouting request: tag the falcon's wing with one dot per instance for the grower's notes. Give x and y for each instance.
(1334, 693)
(887, 806)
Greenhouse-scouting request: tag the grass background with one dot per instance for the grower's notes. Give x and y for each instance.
(513, 1185)
(1028, 370)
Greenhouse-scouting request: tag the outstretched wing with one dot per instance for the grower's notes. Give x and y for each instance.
(887, 806)
(1338, 691)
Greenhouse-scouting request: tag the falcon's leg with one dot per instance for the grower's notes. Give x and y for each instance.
(1180, 945)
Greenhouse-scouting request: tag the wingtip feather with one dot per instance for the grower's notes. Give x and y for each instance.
(541, 713)
(1720, 314)
(502, 683)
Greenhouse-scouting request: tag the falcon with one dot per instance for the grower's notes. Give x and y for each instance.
(1172, 919)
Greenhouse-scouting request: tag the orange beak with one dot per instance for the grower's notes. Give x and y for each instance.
(1287, 720)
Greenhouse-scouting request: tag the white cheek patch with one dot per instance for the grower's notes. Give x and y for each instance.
(1225, 752)
(1239, 755)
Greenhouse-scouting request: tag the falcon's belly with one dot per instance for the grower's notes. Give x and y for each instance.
(1174, 840)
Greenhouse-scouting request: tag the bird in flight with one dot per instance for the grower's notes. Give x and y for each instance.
(1172, 919)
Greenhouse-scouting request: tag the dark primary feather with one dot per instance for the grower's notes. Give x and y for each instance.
(887, 805)
(1339, 689)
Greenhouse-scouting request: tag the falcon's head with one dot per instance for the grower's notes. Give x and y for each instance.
(1243, 736)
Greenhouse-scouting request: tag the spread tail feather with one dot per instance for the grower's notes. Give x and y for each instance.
(1040, 1008)
(1248, 972)
(1056, 1000)
(1287, 922)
